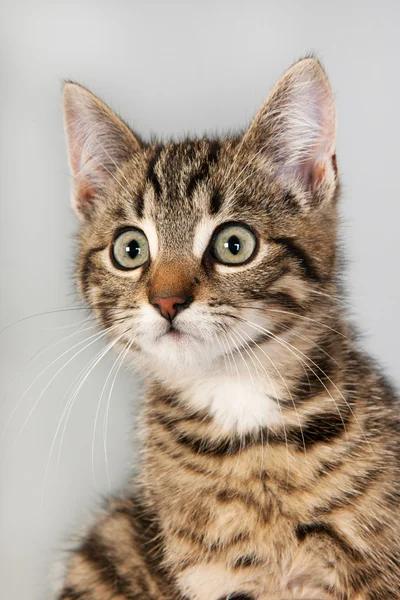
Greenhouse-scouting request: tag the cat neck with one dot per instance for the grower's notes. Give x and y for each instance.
(267, 385)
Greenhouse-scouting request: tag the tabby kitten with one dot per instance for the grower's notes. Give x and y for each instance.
(271, 451)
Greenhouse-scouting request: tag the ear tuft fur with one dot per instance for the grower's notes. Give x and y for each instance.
(98, 144)
(296, 126)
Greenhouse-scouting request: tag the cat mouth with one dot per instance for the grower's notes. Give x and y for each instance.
(171, 333)
(174, 333)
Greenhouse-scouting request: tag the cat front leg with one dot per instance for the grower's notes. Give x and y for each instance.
(216, 582)
(117, 559)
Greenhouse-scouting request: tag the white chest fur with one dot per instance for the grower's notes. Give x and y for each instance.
(240, 401)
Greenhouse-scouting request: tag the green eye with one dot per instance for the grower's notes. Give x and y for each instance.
(130, 249)
(234, 245)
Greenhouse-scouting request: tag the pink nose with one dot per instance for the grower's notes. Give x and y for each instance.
(168, 307)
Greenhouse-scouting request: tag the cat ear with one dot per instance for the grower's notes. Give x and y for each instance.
(296, 127)
(98, 144)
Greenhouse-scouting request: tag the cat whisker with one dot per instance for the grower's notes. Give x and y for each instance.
(93, 362)
(60, 327)
(38, 354)
(293, 350)
(284, 383)
(65, 309)
(96, 338)
(292, 314)
(226, 353)
(96, 335)
(259, 406)
(121, 359)
(238, 351)
(79, 380)
(276, 398)
(306, 339)
(333, 297)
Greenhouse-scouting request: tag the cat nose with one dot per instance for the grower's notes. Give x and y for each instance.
(170, 306)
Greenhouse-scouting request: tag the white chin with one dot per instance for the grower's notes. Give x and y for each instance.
(180, 350)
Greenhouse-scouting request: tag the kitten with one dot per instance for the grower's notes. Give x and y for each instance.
(271, 450)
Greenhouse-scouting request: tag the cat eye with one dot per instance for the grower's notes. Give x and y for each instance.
(130, 249)
(233, 245)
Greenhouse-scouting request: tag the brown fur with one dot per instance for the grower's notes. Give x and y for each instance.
(304, 508)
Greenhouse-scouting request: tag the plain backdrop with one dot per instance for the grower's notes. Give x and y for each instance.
(167, 68)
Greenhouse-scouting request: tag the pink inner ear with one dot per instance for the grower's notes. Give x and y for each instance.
(299, 121)
(319, 173)
(84, 195)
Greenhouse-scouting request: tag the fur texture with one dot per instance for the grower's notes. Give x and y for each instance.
(271, 451)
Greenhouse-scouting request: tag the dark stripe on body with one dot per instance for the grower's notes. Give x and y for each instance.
(70, 594)
(249, 560)
(232, 495)
(323, 369)
(301, 256)
(237, 597)
(147, 540)
(97, 554)
(320, 428)
(200, 540)
(359, 486)
(303, 530)
(178, 458)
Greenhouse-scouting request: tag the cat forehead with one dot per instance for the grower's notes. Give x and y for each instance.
(184, 189)
(179, 177)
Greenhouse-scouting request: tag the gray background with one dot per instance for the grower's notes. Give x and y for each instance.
(167, 67)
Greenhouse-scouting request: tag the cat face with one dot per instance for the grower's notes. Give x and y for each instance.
(191, 250)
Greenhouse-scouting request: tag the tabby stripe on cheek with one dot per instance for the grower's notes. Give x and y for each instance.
(285, 301)
(317, 380)
(301, 256)
(97, 553)
(87, 268)
(151, 176)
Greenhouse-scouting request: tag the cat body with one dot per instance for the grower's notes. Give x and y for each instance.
(270, 464)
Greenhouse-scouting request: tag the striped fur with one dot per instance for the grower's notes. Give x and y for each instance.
(270, 443)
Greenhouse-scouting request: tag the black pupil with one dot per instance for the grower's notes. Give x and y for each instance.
(133, 249)
(233, 244)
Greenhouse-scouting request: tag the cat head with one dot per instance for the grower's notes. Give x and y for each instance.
(190, 250)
